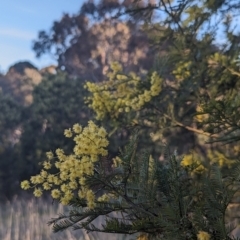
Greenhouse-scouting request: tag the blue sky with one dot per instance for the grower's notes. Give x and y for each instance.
(20, 21)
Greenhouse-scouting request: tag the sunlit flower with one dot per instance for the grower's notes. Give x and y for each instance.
(203, 235)
(77, 128)
(49, 155)
(25, 185)
(91, 143)
(55, 193)
(37, 192)
(47, 165)
(47, 186)
(68, 133)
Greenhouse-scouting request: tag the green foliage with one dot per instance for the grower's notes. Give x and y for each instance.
(10, 118)
(10, 121)
(160, 199)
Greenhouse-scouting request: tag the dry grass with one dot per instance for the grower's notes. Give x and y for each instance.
(23, 219)
(27, 220)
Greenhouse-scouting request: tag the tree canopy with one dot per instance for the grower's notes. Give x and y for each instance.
(85, 43)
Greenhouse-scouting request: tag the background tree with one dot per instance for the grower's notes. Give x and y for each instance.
(86, 43)
(19, 82)
(10, 126)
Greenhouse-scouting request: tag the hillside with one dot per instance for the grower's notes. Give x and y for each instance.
(20, 79)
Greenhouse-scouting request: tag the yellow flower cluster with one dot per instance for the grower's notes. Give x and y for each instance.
(203, 235)
(117, 161)
(193, 164)
(218, 58)
(220, 159)
(200, 116)
(143, 236)
(182, 70)
(90, 144)
(25, 185)
(120, 93)
(104, 198)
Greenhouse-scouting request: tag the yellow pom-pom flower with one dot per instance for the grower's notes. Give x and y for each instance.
(49, 155)
(56, 193)
(25, 184)
(77, 128)
(47, 165)
(68, 133)
(37, 192)
(203, 235)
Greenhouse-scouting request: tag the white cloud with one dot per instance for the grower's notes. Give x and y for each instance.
(17, 33)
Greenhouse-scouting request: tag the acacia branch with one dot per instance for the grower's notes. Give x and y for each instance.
(124, 196)
(198, 131)
(191, 128)
(233, 72)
